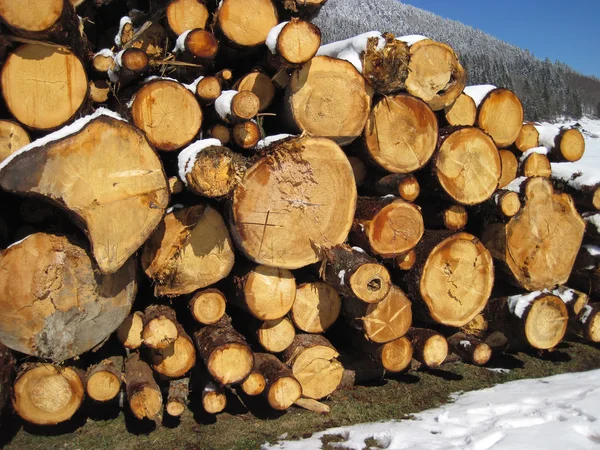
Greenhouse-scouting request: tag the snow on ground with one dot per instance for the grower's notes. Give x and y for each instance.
(559, 412)
(589, 165)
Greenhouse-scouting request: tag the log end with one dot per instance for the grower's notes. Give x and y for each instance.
(371, 282)
(546, 322)
(254, 385)
(572, 145)
(103, 386)
(283, 393)
(230, 363)
(396, 355)
(146, 403)
(276, 335)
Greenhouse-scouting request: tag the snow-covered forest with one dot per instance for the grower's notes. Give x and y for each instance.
(548, 90)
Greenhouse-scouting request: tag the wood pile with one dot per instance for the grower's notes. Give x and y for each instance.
(201, 201)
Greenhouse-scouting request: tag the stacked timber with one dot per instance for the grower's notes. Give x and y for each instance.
(203, 199)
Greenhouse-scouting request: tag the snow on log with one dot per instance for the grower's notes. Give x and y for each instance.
(584, 187)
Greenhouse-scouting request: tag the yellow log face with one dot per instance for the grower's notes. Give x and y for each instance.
(33, 15)
(247, 22)
(183, 15)
(501, 116)
(12, 138)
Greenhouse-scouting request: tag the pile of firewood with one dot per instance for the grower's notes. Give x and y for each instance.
(161, 235)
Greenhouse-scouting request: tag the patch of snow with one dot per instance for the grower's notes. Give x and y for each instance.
(388, 196)
(73, 128)
(223, 103)
(562, 411)
(18, 242)
(187, 156)
(124, 21)
(465, 344)
(193, 85)
(593, 250)
(593, 220)
(358, 249)
(515, 185)
(273, 35)
(341, 275)
(412, 39)
(106, 52)
(180, 42)
(548, 133)
(531, 151)
(210, 387)
(351, 49)
(517, 304)
(264, 143)
(566, 295)
(175, 207)
(586, 311)
(156, 77)
(498, 370)
(479, 92)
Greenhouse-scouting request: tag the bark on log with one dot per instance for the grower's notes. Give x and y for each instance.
(260, 85)
(244, 26)
(467, 165)
(337, 82)
(208, 306)
(305, 9)
(61, 71)
(129, 332)
(282, 389)
(7, 373)
(405, 116)
(60, 307)
(430, 348)
(143, 394)
(587, 323)
(499, 113)
(277, 335)
(177, 398)
(404, 186)
(444, 216)
(183, 15)
(168, 113)
(353, 273)
(536, 319)
(103, 380)
(381, 322)
(225, 352)
(12, 138)
(510, 167)
(538, 246)
(452, 278)
(528, 138)
(288, 204)
(592, 227)
(314, 363)
(563, 144)
(316, 307)
(470, 349)
(107, 171)
(180, 255)
(44, 394)
(386, 226)
(463, 112)
(267, 293)
(585, 194)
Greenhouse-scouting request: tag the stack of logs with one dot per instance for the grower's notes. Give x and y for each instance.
(162, 237)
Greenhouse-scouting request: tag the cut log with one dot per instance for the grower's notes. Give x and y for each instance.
(499, 113)
(467, 165)
(130, 331)
(510, 167)
(103, 380)
(99, 91)
(528, 138)
(260, 85)
(198, 45)
(183, 15)
(233, 106)
(103, 61)
(470, 349)
(452, 278)
(168, 113)
(400, 134)
(244, 24)
(44, 394)
(538, 246)
(255, 383)
(316, 307)
(430, 348)
(320, 84)
(208, 90)
(214, 399)
(225, 352)
(353, 273)
(175, 185)
(267, 293)
(130, 64)
(386, 226)
(221, 133)
(444, 216)
(587, 323)
(210, 170)
(282, 389)
(160, 326)
(106, 170)
(407, 261)
(394, 356)
(176, 359)
(60, 307)
(288, 204)
(382, 322)
(293, 43)
(313, 405)
(143, 394)
(305, 9)
(208, 306)
(563, 144)
(12, 138)
(55, 75)
(536, 319)
(189, 250)
(463, 112)
(535, 163)
(177, 398)
(314, 364)
(246, 135)
(506, 203)
(405, 186)
(7, 373)
(435, 74)
(276, 335)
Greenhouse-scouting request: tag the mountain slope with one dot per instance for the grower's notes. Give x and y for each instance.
(548, 89)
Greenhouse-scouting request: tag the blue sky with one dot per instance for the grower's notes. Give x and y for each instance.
(568, 31)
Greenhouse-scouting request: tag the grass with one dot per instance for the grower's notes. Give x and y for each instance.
(248, 427)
